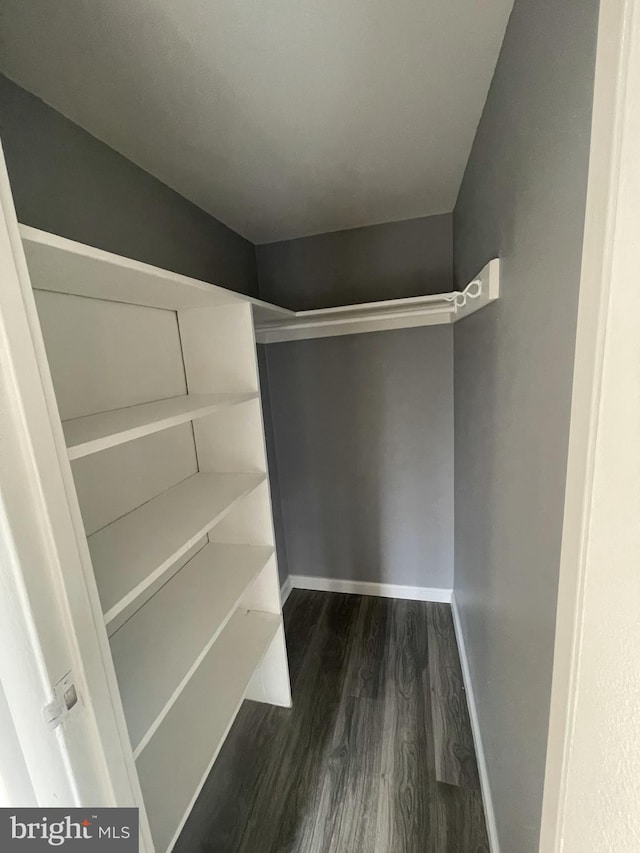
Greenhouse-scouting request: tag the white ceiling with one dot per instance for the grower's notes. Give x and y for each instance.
(279, 117)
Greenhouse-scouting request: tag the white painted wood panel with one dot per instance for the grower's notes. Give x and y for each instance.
(175, 763)
(303, 327)
(158, 649)
(94, 433)
(218, 346)
(147, 594)
(264, 593)
(134, 551)
(113, 483)
(106, 355)
(231, 440)
(270, 682)
(249, 521)
(64, 266)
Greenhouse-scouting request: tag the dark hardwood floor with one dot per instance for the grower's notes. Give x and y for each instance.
(376, 755)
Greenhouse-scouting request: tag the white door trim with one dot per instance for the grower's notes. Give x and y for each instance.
(601, 515)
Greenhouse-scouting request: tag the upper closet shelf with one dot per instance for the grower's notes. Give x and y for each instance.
(93, 433)
(437, 309)
(65, 266)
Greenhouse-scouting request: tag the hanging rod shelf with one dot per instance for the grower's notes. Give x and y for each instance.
(274, 324)
(65, 266)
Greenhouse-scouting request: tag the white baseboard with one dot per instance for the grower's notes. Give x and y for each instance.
(285, 590)
(490, 817)
(384, 590)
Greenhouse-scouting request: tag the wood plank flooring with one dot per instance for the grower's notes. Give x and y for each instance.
(376, 755)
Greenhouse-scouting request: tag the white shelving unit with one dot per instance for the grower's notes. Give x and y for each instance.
(152, 391)
(158, 412)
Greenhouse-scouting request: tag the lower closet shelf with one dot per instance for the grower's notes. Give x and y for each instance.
(160, 647)
(130, 554)
(175, 762)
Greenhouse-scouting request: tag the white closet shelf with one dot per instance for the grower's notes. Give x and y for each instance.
(159, 649)
(188, 740)
(93, 433)
(442, 308)
(132, 553)
(65, 266)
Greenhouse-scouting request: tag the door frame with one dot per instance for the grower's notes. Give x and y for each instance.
(584, 811)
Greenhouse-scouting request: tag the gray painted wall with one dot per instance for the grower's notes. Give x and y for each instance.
(66, 181)
(397, 259)
(522, 198)
(364, 444)
(361, 438)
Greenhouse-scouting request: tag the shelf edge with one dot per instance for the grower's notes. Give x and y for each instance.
(157, 573)
(277, 626)
(155, 725)
(429, 310)
(123, 436)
